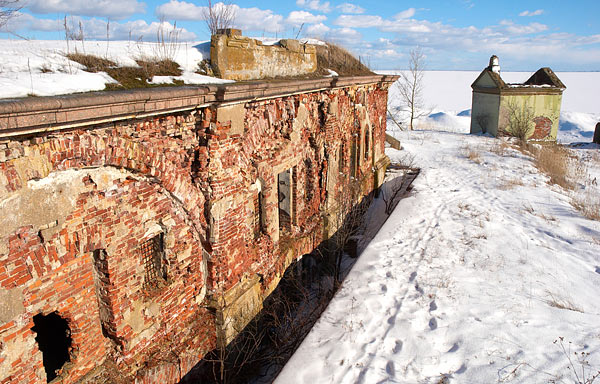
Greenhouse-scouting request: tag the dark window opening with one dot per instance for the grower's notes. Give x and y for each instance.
(284, 191)
(342, 158)
(101, 283)
(353, 156)
(366, 145)
(258, 215)
(309, 187)
(151, 251)
(54, 341)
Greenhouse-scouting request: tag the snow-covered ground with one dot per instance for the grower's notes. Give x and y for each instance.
(39, 67)
(465, 280)
(474, 276)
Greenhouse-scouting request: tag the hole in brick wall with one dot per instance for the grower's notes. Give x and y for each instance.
(151, 251)
(101, 285)
(258, 214)
(354, 156)
(341, 158)
(309, 187)
(367, 144)
(54, 340)
(284, 190)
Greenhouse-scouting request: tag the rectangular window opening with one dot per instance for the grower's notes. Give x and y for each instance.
(284, 192)
(258, 215)
(341, 158)
(367, 145)
(151, 252)
(353, 156)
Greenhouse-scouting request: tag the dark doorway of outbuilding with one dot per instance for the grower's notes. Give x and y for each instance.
(54, 340)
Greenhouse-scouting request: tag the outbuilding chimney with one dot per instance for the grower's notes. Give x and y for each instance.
(494, 64)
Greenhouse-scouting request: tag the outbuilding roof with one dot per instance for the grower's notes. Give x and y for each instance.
(544, 79)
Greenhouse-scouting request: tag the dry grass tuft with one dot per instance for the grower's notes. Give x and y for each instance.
(569, 172)
(338, 59)
(588, 204)
(156, 67)
(500, 148)
(554, 161)
(92, 63)
(562, 303)
(471, 154)
(510, 184)
(129, 77)
(528, 208)
(45, 68)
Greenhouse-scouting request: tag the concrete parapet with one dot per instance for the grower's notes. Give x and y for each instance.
(236, 57)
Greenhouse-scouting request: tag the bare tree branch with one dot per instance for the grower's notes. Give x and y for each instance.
(218, 16)
(411, 85)
(8, 8)
(519, 119)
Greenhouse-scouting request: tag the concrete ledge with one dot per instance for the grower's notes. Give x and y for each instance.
(42, 114)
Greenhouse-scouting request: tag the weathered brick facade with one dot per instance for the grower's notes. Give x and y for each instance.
(155, 223)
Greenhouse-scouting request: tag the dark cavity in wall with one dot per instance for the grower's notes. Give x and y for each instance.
(285, 194)
(54, 341)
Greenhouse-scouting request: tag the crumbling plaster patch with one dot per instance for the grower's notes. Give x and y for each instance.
(11, 304)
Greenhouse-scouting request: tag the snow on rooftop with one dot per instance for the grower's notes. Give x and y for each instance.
(39, 67)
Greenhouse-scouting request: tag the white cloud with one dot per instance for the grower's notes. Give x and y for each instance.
(23, 21)
(115, 9)
(532, 13)
(529, 41)
(410, 12)
(315, 5)
(509, 27)
(401, 25)
(345, 36)
(350, 8)
(245, 18)
(359, 21)
(95, 29)
(297, 18)
(317, 30)
(181, 10)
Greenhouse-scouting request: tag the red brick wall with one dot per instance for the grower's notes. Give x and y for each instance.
(56, 274)
(191, 177)
(268, 146)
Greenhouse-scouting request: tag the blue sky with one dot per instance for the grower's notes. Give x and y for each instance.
(454, 34)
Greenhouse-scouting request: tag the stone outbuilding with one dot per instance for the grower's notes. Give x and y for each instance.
(500, 108)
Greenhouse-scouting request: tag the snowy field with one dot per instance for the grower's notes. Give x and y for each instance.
(478, 274)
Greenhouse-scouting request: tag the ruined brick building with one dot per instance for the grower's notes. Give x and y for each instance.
(140, 228)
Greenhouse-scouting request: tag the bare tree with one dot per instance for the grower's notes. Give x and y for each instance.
(411, 85)
(8, 8)
(218, 16)
(348, 220)
(519, 119)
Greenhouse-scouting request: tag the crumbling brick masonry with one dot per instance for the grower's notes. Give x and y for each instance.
(141, 228)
